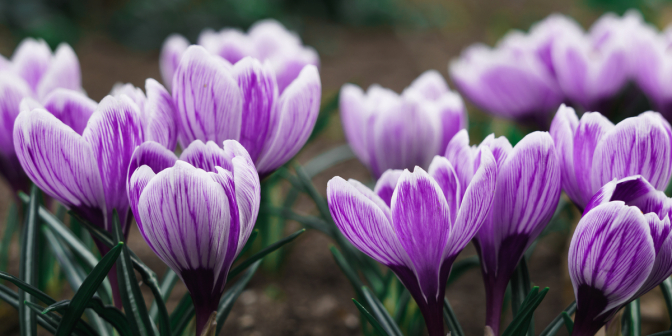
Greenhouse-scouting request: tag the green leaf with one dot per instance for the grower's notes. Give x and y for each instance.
(82, 328)
(109, 313)
(633, 317)
(328, 159)
(231, 295)
(131, 297)
(24, 286)
(402, 306)
(666, 288)
(28, 263)
(382, 316)
(12, 299)
(520, 285)
(310, 222)
(376, 326)
(249, 243)
(181, 315)
(251, 260)
(521, 323)
(451, 320)
(323, 117)
(86, 290)
(167, 284)
(347, 269)
(461, 267)
(11, 225)
(569, 324)
(557, 322)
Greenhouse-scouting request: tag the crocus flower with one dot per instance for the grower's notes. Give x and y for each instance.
(391, 131)
(593, 151)
(196, 213)
(33, 72)
(653, 72)
(267, 40)
(218, 101)
(416, 224)
(526, 195)
(621, 249)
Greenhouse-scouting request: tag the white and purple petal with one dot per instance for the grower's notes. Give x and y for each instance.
(171, 53)
(71, 107)
(63, 72)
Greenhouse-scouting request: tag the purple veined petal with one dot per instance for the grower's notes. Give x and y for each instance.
(207, 156)
(29, 104)
(562, 131)
(476, 205)
(64, 72)
(373, 196)
(248, 189)
(260, 93)
(662, 244)
(354, 115)
(386, 184)
(207, 98)
(421, 220)
(589, 135)
(443, 173)
(232, 45)
(31, 60)
(430, 85)
(289, 63)
(137, 181)
(610, 257)
(12, 90)
(153, 155)
(270, 36)
(462, 157)
(73, 108)
(59, 161)
(364, 223)
(499, 147)
(226, 181)
(636, 146)
(133, 92)
(171, 53)
(159, 115)
(453, 116)
(292, 120)
(113, 132)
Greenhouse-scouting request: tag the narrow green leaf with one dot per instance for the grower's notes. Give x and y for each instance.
(109, 313)
(310, 222)
(666, 288)
(231, 295)
(376, 326)
(462, 266)
(382, 316)
(24, 286)
(29, 263)
(557, 322)
(347, 269)
(181, 315)
(324, 115)
(167, 284)
(328, 159)
(82, 328)
(451, 320)
(251, 260)
(520, 286)
(131, 297)
(634, 318)
(520, 324)
(12, 298)
(11, 225)
(250, 241)
(402, 306)
(86, 291)
(569, 324)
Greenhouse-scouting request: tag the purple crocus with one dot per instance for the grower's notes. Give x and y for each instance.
(526, 195)
(593, 151)
(33, 72)
(391, 131)
(216, 101)
(653, 73)
(196, 213)
(416, 224)
(621, 249)
(267, 40)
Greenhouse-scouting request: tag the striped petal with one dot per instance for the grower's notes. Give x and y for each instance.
(292, 120)
(443, 173)
(73, 108)
(661, 232)
(12, 90)
(137, 181)
(31, 60)
(207, 156)
(634, 191)
(153, 155)
(386, 184)
(159, 115)
(171, 53)
(562, 131)
(462, 156)
(354, 115)
(63, 72)
(207, 98)
(591, 130)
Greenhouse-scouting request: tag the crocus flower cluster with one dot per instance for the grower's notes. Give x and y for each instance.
(391, 131)
(621, 249)
(416, 223)
(593, 151)
(196, 213)
(267, 41)
(529, 75)
(32, 72)
(525, 196)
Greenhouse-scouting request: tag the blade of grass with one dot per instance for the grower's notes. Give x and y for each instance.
(181, 315)
(376, 326)
(521, 323)
(12, 298)
(231, 295)
(382, 316)
(569, 324)
(347, 269)
(633, 315)
(557, 322)
(109, 313)
(82, 328)
(167, 284)
(451, 320)
(520, 286)
(28, 264)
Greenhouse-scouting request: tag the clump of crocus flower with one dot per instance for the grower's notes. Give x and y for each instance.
(267, 40)
(621, 249)
(593, 151)
(416, 223)
(196, 213)
(32, 72)
(525, 196)
(391, 131)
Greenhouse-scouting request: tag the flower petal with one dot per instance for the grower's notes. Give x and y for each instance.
(63, 72)
(453, 116)
(462, 157)
(443, 173)
(153, 155)
(12, 90)
(612, 252)
(171, 53)
(364, 223)
(592, 129)
(636, 146)
(430, 85)
(207, 98)
(292, 121)
(634, 191)
(138, 180)
(386, 184)
(206, 156)
(260, 93)
(662, 244)
(159, 115)
(562, 131)
(421, 219)
(31, 60)
(354, 113)
(71, 107)
(113, 132)
(59, 161)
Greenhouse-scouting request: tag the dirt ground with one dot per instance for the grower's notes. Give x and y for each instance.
(309, 295)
